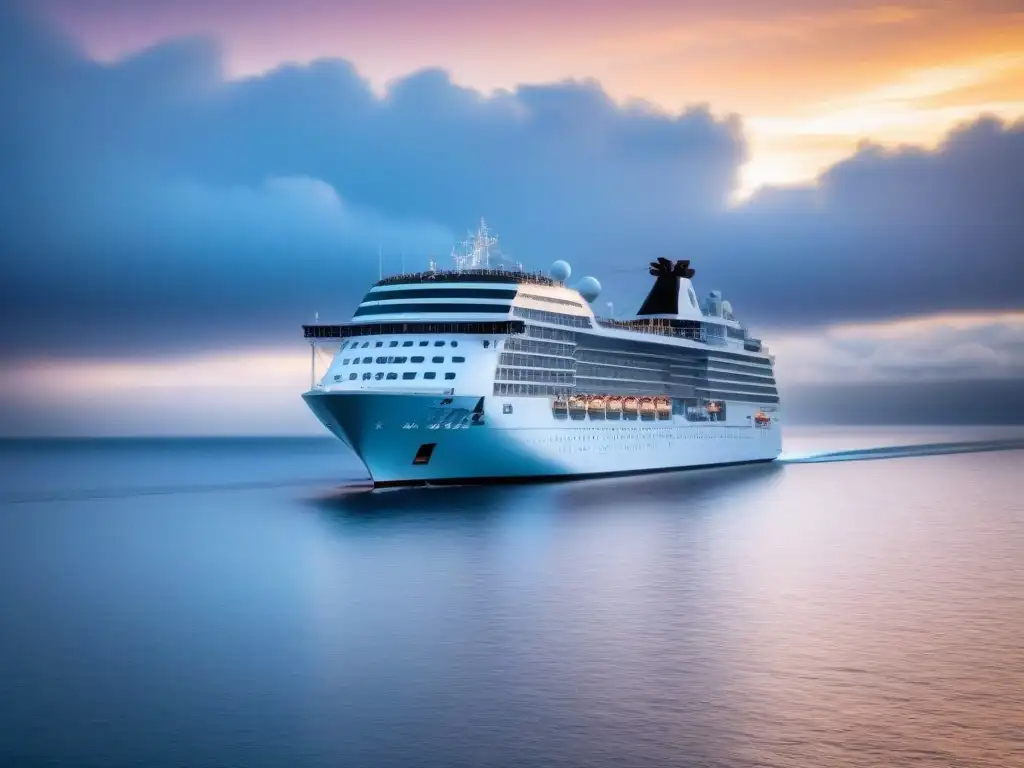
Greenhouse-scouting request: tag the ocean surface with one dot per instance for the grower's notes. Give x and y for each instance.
(246, 603)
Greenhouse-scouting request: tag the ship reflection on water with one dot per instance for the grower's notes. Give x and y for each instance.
(676, 489)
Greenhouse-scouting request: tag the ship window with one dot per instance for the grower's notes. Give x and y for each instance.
(486, 343)
(392, 376)
(455, 343)
(367, 360)
(379, 344)
(401, 359)
(424, 343)
(393, 344)
(379, 376)
(409, 375)
(352, 376)
(458, 359)
(437, 360)
(438, 343)
(345, 361)
(406, 343)
(381, 360)
(429, 375)
(365, 345)
(417, 358)
(338, 377)
(367, 376)
(449, 376)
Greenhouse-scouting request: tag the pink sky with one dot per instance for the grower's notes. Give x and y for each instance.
(811, 79)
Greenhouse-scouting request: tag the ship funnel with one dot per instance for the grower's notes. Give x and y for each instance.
(672, 279)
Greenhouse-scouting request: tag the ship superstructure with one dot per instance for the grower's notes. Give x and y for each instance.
(488, 372)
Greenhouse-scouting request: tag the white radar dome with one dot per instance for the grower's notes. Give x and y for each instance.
(561, 270)
(589, 288)
(727, 307)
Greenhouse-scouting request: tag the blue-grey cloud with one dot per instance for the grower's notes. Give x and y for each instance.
(150, 204)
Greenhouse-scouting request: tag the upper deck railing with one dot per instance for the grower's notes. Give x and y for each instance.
(664, 328)
(470, 276)
(658, 328)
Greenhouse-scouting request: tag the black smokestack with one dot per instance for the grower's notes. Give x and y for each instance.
(664, 296)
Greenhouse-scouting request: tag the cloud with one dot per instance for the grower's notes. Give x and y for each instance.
(925, 349)
(150, 205)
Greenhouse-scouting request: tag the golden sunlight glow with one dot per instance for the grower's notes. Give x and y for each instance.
(798, 147)
(241, 371)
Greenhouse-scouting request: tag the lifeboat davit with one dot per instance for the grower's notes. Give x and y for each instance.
(646, 405)
(631, 404)
(614, 404)
(762, 419)
(559, 403)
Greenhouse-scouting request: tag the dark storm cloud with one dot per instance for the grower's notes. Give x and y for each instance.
(888, 233)
(151, 205)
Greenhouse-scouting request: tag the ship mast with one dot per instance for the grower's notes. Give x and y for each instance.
(476, 249)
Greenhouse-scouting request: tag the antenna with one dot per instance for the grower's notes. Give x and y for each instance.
(403, 262)
(611, 310)
(380, 262)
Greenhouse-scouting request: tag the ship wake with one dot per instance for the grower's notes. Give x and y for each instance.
(902, 451)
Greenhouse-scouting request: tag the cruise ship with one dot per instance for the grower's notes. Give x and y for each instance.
(486, 372)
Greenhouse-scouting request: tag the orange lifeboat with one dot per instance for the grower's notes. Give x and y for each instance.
(762, 419)
(577, 403)
(614, 404)
(559, 403)
(663, 406)
(646, 405)
(630, 404)
(713, 407)
(595, 403)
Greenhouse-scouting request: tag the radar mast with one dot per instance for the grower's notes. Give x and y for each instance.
(476, 253)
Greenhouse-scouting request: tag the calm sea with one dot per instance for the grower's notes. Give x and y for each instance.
(234, 603)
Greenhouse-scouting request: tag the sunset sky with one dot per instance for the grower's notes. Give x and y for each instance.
(811, 79)
(187, 181)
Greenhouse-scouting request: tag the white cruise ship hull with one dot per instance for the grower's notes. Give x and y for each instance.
(412, 439)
